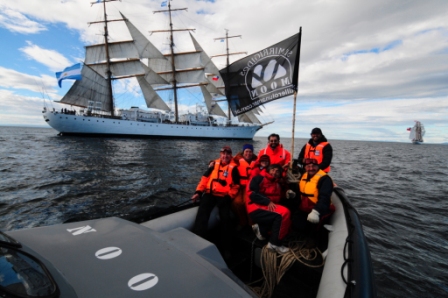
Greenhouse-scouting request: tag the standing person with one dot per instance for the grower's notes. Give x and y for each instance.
(218, 187)
(263, 195)
(243, 160)
(315, 188)
(318, 148)
(275, 151)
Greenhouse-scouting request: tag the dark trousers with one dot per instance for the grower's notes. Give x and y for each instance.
(268, 221)
(208, 202)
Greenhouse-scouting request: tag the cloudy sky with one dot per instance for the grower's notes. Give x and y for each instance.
(368, 68)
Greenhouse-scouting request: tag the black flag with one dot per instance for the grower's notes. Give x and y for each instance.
(262, 77)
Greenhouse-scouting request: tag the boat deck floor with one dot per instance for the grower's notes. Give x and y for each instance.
(244, 261)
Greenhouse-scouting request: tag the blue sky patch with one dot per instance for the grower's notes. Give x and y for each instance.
(375, 50)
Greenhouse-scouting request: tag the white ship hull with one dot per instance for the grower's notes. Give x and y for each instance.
(87, 125)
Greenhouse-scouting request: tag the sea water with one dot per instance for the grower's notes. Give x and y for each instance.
(400, 191)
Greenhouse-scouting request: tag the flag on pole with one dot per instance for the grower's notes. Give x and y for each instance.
(164, 3)
(215, 78)
(73, 72)
(263, 77)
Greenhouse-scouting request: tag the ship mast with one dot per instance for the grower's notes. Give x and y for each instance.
(228, 59)
(173, 66)
(106, 44)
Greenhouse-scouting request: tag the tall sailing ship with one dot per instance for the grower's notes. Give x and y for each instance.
(155, 72)
(416, 133)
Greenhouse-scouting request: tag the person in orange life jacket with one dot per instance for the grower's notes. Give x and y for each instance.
(276, 152)
(259, 166)
(243, 160)
(319, 149)
(263, 195)
(315, 189)
(219, 185)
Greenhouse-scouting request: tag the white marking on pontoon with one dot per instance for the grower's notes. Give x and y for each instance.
(143, 281)
(81, 230)
(108, 253)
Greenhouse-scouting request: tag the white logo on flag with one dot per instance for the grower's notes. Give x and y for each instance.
(268, 76)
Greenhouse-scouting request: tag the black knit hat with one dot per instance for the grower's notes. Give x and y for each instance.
(316, 131)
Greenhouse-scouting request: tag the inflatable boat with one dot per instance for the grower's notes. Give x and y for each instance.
(112, 257)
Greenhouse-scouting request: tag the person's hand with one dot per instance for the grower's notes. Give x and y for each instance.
(290, 194)
(271, 206)
(314, 217)
(195, 197)
(211, 164)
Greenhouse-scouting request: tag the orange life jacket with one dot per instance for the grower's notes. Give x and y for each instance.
(244, 168)
(220, 182)
(279, 156)
(317, 153)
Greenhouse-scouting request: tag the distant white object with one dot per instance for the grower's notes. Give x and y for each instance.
(417, 132)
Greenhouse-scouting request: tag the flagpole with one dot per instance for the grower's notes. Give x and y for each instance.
(295, 100)
(293, 129)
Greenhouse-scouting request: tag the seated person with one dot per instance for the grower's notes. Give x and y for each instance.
(243, 160)
(218, 186)
(259, 165)
(315, 189)
(263, 195)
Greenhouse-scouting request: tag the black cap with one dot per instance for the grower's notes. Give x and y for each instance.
(309, 161)
(316, 131)
(226, 148)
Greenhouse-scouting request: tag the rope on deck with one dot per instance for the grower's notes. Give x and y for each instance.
(273, 270)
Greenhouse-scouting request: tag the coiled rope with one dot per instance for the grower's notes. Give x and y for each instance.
(273, 269)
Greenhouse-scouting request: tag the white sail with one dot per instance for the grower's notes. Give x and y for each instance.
(92, 87)
(181, 60)
(117, 50)
(152, 99)
(417, 133)
(210, 70)
(249, 117)
(119, 69)
(212, 106)
(144, 47)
